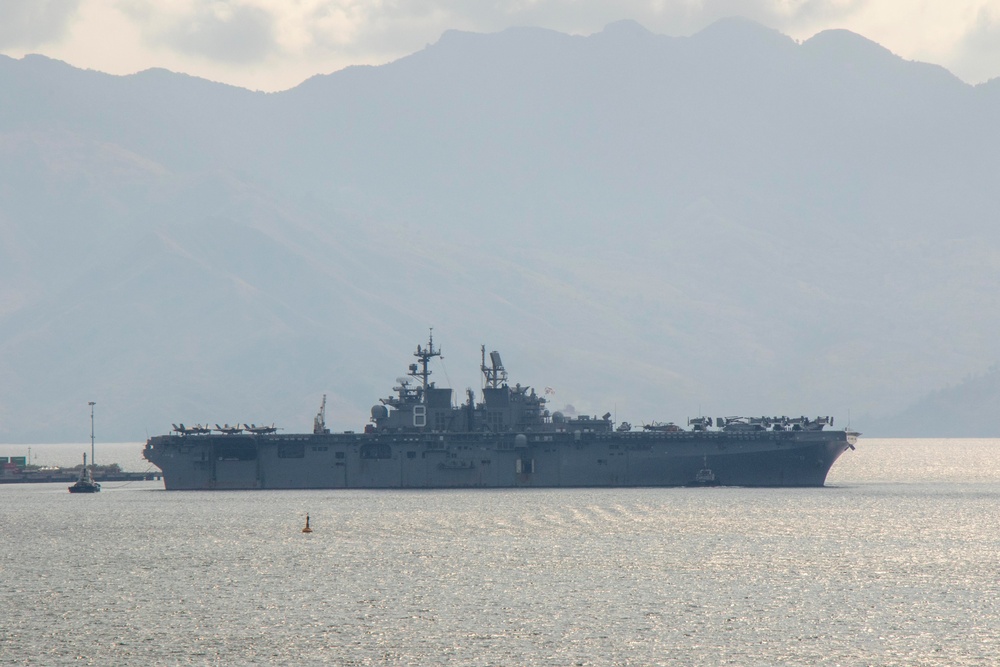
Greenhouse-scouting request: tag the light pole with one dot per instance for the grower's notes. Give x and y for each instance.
(91, 404)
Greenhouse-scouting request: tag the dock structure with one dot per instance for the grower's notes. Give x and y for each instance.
(9, 475)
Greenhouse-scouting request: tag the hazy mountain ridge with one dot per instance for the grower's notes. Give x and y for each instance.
(730, 222)
(968, 402)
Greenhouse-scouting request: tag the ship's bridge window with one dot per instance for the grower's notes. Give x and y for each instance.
(494, 419)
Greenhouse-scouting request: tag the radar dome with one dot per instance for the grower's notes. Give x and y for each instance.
(379, 412)
(558, 417)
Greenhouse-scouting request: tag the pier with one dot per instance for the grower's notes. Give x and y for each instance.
(11, 473)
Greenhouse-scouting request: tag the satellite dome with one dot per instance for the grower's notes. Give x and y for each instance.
(558, 417)
(379, 412)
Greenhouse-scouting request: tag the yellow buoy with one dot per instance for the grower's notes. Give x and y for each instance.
(307, 529)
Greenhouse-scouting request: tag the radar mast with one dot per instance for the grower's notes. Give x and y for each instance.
(495, 375)
(424, 355)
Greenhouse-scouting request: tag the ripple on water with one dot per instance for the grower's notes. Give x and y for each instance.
(872, 570)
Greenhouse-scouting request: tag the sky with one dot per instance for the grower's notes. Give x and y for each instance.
(274, 45)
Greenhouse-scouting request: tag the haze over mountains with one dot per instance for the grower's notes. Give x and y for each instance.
(660, 227)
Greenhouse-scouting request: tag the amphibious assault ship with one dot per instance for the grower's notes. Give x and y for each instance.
(419, 438)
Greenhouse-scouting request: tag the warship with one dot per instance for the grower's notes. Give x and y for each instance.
(420, 438)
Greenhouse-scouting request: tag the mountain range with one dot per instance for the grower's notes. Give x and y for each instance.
(732, 223)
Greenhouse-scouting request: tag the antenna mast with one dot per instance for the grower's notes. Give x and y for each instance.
(424, 355)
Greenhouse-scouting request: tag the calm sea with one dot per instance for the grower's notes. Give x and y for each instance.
(895, 562)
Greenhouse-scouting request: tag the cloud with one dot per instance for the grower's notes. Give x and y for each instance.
(229, 32)
(352, 27)
(31, 23)
(978, 52)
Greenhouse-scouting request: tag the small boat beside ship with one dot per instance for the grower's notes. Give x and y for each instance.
(420, 438)
(704, 477)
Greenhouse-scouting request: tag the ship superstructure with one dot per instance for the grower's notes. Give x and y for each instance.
(420, 438)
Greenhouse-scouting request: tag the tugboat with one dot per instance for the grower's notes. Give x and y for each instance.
(704, 477)
(86, 483)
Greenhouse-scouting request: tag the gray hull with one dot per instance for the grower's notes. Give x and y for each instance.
(483, 460)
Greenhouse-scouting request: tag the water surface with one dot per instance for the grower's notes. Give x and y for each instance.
(893, 563)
